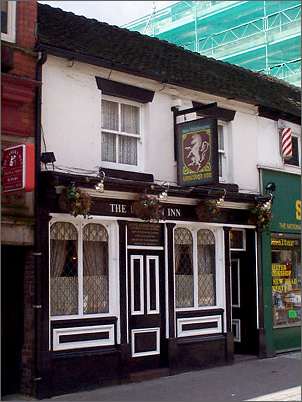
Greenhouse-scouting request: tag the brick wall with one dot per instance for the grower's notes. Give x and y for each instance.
(18, 105)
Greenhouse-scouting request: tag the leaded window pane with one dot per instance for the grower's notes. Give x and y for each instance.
(95, 269)
(206, 268)
(63, 269)
(184, 286)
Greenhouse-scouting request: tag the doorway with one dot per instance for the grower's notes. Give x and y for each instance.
(146, 309)
(243, 292)
(12, 317)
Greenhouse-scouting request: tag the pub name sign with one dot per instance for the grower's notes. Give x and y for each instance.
(197, 152)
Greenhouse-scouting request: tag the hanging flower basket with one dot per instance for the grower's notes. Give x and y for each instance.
(207, 209)
(148, 208)
(75, 201)
(261, 215)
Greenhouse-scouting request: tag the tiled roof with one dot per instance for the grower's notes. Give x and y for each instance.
(132, 52)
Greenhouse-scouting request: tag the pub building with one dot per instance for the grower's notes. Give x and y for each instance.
(148, 234)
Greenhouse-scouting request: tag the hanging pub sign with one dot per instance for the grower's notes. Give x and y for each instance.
(18, 168)
(197, 152)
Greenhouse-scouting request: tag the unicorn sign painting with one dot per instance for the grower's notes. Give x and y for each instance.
(197, 152)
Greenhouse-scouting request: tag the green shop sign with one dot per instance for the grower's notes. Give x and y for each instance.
(287, 200)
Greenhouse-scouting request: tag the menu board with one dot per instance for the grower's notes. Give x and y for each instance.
(144, 234)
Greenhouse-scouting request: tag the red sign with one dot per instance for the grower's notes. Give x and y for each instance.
(18, 168)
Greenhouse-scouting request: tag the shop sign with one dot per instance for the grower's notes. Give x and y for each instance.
(197, 152)
(18, 168)
(286, 208)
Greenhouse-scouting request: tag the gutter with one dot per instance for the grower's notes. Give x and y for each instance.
(42, 56)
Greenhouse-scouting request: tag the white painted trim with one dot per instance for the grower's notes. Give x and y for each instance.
(140, 258)
(237, 323)
(145, 247)
(290, 169)
(10, 36)
(257, 280)
(170, 200)
(156, 266)
(127, 285)
(166, 283)
(243, 240)
(57, 332)
(238, 281)
(145, 330)
(114, 218)
(198, 320)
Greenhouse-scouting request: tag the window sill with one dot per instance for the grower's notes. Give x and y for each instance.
(121, 166)
(79, 317)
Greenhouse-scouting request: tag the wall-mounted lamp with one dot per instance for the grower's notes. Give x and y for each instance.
(163, 196)
(48, 157)
(100, 185)
(220, 202)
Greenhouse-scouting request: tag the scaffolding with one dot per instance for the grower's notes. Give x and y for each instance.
(263, 36)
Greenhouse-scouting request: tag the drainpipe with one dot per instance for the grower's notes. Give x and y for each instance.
(42, 56)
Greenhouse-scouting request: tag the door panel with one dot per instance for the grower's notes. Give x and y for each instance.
(243, 297)
(146, 283)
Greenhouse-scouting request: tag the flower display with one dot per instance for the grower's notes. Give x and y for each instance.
(261, 215)
(148, 208)
(75, 201)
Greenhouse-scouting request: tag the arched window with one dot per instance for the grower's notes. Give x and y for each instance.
(206, 268)
(184, 284)
(95, 269)
(63, 269)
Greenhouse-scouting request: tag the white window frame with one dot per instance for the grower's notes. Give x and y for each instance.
(219, 275)
(122, 166)
(224, 152)
(113, 284)
(243, 239)
(10, 36)
(289, 165)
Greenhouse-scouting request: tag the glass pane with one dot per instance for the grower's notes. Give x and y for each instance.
(286, 280)
(4, 12)
(206, 268)
(220, 163)
(220, 138)
(110, 115)
(63, 269)
(95, 269)
(184, 287)
(108, 147)
(127, 150)
(130, 119)
(237, 239)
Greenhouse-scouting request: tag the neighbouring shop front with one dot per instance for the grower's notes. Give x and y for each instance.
(122, 295)
(281, 264)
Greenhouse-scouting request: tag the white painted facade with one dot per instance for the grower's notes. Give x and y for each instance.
(71, 126)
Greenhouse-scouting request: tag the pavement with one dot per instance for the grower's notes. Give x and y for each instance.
(273, 379)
